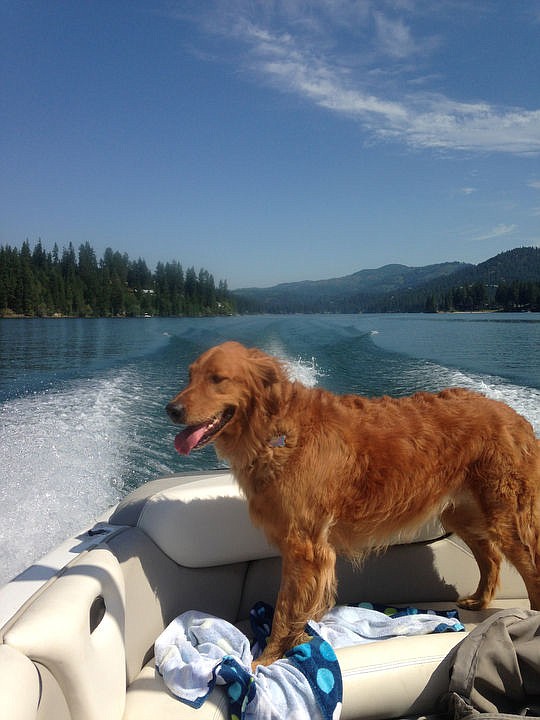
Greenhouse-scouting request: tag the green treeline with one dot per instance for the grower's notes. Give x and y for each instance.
(509, 282)
(37, 283)
(507, 296)
(513, 296)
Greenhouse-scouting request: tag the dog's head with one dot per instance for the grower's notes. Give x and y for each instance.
(226, 383)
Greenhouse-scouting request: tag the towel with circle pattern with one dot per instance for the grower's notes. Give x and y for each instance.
(198, 651)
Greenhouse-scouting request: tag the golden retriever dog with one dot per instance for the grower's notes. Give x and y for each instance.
(326, 474)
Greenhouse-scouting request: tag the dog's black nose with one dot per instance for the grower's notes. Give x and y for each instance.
(176, 412)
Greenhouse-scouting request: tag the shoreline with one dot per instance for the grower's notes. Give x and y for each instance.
(57, 316)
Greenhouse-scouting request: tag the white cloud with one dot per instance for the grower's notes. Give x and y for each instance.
(394, 36)
(349, 57)
(497, 231)
(473, 127)
(420, 120)
(534, 184)
(467, 190)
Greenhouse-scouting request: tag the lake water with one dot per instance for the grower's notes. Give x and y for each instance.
(82, 417)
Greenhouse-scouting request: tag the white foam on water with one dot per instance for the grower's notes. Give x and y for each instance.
(62, 454)
(306, 372)
(298, 369)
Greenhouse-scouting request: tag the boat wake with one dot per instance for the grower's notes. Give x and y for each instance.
(303, 371)
(62, 454)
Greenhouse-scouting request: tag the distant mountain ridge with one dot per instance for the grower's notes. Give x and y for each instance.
(383, 279)
(393, 288)
(388, 278)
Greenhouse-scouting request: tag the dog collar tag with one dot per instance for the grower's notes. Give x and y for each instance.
(278, 441)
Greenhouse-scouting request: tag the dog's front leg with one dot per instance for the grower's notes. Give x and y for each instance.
(307, 591)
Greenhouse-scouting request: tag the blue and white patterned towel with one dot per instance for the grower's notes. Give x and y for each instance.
(198, 651)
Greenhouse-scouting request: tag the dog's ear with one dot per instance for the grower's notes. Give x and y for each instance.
(267, 369)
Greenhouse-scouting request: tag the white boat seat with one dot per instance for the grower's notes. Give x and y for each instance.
(387, 679)
(206, 522)
(147, 697)
(82, 646)
(19, 685)
(75, 629)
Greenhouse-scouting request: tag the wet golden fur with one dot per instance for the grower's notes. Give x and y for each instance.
(355, 471)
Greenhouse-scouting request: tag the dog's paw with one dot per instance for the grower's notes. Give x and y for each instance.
(471, 603)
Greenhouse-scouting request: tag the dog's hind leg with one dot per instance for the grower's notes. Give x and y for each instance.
(468, 521)
(501, 518)
(520, 535)
(507, 487)
(509, 497)
(528, 566)
(522, 547)
(307, 591)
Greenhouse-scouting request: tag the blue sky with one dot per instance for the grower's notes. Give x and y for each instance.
(272, 141)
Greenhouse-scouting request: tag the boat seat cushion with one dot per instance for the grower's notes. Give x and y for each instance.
(397, 677)
(203, 523)
(145, 567)
(206, 522)
(19, 685)
(75, 629)
(147, 697)
(385, 679)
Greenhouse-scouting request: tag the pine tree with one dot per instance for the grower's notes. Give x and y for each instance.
(81, 285)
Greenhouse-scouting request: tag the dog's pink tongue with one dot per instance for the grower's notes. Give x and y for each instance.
(186, 440)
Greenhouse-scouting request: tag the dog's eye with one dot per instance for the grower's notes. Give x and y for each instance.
(217, 379)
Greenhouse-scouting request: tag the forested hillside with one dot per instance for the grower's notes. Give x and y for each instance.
(344, 294)
(509, 281)
(37, 283)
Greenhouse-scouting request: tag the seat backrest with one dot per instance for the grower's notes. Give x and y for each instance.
(75, 630)
(205, 522)
(158, 589)
(19, 685)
